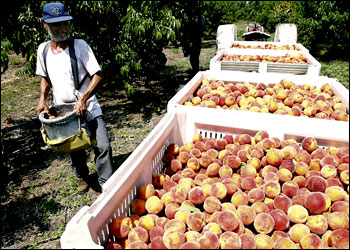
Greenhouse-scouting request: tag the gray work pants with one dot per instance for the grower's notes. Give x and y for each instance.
(103, 153)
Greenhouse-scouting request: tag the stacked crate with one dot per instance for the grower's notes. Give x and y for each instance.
(89, 228)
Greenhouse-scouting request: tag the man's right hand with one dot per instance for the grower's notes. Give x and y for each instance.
(41, 107)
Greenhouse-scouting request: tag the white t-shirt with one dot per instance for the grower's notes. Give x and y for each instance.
(61, 76)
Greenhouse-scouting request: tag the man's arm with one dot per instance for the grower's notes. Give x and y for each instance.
(44, 92)
(95, 82)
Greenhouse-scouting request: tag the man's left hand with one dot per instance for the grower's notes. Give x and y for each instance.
(80, 107)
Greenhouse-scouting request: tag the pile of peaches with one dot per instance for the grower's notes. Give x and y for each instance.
(287, 58)
(282, 98)
(267, 46)
(241, 192)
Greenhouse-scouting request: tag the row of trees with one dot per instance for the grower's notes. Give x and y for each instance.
(128, 37)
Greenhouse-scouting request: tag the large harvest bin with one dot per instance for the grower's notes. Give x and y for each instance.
(313, 67)
(89, 228)
(188, 91)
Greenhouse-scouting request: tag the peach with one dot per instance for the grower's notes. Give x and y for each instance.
(112, 245)
(175, 223)
(213, 227)
(276, 235)
(182, 214)
(205, 161)
(341, 206)
(145, 191)
(300, 181)
(309, 144)
(154, 205)
(297, 231)
(147, 222)
(315, 202)
(138, 234)
(264, 223)
(344, 177)
(221, 144)
(138, 206)
(183, 157)
(239, 198)
(212, 204)
(335, 193)
(248, 183)
(173, 238)
(178, 194)
(299, 199)
(197, 195)
(197, 137)
(272, 189)
(155, 231)
(316, 184)
(318, 224)
(284, 175)
(213, 169)
(244, 139)
(318, 153)
(248, 171)
(208, 240)
(230, 240)
(176, 165)
(339, 238)
(303, 156)
(330, 160)
(195, 152)
(199, 145)
(248, 242)
(120, 226)
(311, 241)
(282, 202)
(213, 153)
(172, 149)
(290, 188)
(242, 154)
(232, 161)
(274, 157)
(218, 190)
(193, 163)
(328, 171)
(280, 218)
(301, 168)
(137, 245)
(256, 152)
(256, 195)
(288, 164)
(196, 221)
(297, 214)
(246, 214)
(159, 179)
(263, 241)
(227, 220)
(285, 243)
(260, 207)
(171, 209)
(230, 185)
(338, 220)
(225, 172)
(192, 236)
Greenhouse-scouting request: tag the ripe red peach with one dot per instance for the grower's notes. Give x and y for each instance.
(301, 168)
(138, 206)
(147, 222)
(285, 243)
(303, 156)
(318, 153)
(280, 218)
(138, 234)
(156, 231)
(196, 221)
(221, 144)
(232, 161)
(309, 144)
(230, 185)
(339, 238)
(290, 188)
(311, 241)
(272, 189)
(227, 220)
(328, 171)
(248, 242)
(197, 195)
(137, 245)
(263, 241)
(260, 207)
(268, 169)
(248, 183)
(218, 190)
(242, 154)
(208, 240)
(300, 181)
(112, 245)
(176, 165)
(297, 214)
(173, 238)
(190, 245)
(256, 195)
(315, 202)
(341, 206)
(264, 223)
(173, 149)
(225, 172)
(297, 231)
(175, 223)
(282, 202)
(271, 176)
(261, 135)
(171, 209)
(246, 214)
(289, 152)
(230, 240)
(344, 177)
(178, 194)
(316, 184)
(120, 226)
(284, 175)
(213, 227)
(276, 235)
(288, 164)
(145, 191)
(212, 204)
(299, 199)
(330, 160)
(213, 169)
(338, 220)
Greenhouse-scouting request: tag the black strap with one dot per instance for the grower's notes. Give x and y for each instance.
(74, 63)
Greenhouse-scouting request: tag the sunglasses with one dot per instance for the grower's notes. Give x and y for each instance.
(58, 24)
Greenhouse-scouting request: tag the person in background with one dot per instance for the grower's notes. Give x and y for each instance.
(57, 75)
(192, 35)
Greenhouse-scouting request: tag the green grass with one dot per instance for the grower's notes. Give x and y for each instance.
(336, 69)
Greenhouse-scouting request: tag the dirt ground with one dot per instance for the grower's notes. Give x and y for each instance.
(39, 195)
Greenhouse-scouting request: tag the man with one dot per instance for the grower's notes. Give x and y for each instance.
(57, 74)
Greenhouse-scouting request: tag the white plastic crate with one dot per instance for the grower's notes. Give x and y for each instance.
(312, 68)
(186, 93)
(89, 228)
(262, 43)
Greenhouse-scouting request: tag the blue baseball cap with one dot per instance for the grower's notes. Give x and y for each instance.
(54, 12)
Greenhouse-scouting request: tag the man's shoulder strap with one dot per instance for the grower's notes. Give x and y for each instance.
(73, 60)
